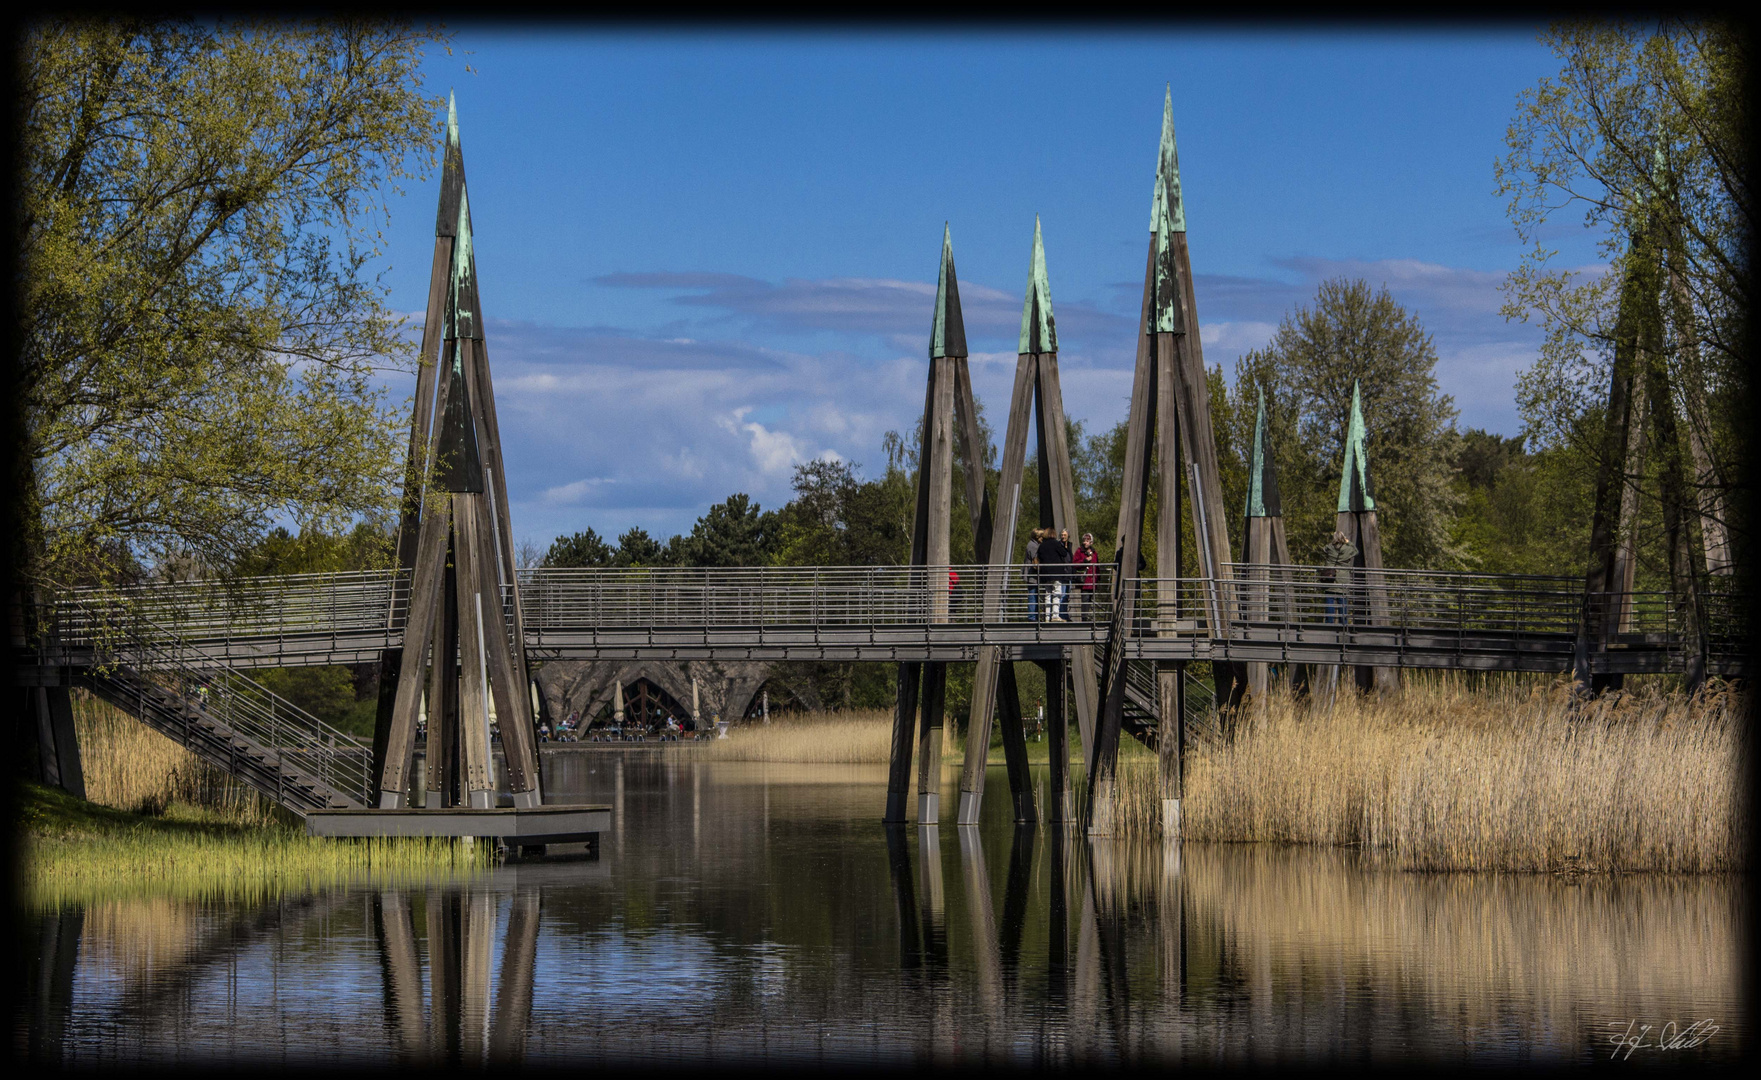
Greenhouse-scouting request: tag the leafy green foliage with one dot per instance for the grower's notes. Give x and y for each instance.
(583, 549)
(1307, 371)
(1644, 132)
(194, 226)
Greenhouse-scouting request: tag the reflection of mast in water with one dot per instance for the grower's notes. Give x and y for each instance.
(984, 927)
(1015, 904)
(1058, 927)
(400, 966)
(904, 898)
(935, 927)
(460, 1027)
(1171, 926)
(1100, 956)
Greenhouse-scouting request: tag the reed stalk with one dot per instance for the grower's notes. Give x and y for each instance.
(1519, 777)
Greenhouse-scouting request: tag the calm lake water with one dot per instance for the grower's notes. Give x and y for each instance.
(742, 912)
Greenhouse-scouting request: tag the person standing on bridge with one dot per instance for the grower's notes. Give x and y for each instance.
(1336, 563)
(1089, 560)
(1054, 562)
(1030, 574)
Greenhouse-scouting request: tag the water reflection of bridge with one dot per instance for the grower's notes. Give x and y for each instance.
(1010, 946)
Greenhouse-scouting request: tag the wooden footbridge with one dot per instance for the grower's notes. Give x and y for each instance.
(178, 655)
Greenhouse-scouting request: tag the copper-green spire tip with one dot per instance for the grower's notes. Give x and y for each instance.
(463, 318)
(1166, 197)
(1039, 331)
(1262, 476)
(947, 335)
(452, 173)
(1354, 476)
(1167, 314)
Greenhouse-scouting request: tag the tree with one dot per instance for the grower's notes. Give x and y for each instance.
(1350, 336)
(732, 533)
(583, 549)
(195, 227)
(637, 548)
(1645, 131)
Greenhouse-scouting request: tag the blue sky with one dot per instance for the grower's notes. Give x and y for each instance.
(706, 258)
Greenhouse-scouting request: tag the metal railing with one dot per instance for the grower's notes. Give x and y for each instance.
(310, 612)
(223, 610)
(1292, 598)
(165, 675)
(795, 596)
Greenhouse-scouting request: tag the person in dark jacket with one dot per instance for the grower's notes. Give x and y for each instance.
(1336, 563)
(1054, 561)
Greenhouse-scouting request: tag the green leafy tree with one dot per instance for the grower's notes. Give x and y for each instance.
(735, 532)
(637, 548)
(583, 549)
(1354, 334)
(196, 223)
(1644, 133)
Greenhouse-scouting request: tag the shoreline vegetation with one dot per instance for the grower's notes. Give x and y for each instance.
(160, 821)
(1511, 775)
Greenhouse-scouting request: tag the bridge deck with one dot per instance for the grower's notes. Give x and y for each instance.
(1286, 615)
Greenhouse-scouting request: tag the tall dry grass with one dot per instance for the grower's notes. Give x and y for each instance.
(856, 737)
(1517, 777)
(130, 766)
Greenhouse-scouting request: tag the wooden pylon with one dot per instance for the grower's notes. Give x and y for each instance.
(1368, 602)
(947, 400)
(1038, 401)
(1169, 432)
(1266, 594)
(464, 599)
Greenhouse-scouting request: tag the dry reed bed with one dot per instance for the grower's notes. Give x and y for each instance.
(856, 737)
(1519, 777)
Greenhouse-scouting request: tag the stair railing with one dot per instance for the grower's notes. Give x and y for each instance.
(300, 742)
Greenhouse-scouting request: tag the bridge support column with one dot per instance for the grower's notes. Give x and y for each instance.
(1171, 744)
(1060, 808)
(904, 732)
(929, 745)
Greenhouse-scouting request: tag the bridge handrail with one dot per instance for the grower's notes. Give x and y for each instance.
(785, 595)
(333, 757)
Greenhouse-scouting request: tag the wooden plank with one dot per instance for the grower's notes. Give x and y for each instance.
(940, 469)
(1057, 438)
(443, 697)
(477, 766)
(1170, 745)
(483, 397)
(1059, 808)
(1015, 744)
(424, 606)
(904, 737)
(999, 551)
(513, 702)
(929, 744)
(1195, 424)
(1385, 678)
(1102, 755)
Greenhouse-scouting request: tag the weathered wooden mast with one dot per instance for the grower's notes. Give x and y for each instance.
(1169, 432)
(1357, 520)
(947, 400)
(1036, 391)
(1267, 549)
(464, 599)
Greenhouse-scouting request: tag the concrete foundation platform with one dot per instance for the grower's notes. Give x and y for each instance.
(514, 826)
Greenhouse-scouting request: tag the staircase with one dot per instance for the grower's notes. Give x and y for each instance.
(239, 726)
(1142, 713)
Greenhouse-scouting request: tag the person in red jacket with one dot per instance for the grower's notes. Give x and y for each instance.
(1088, 559)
